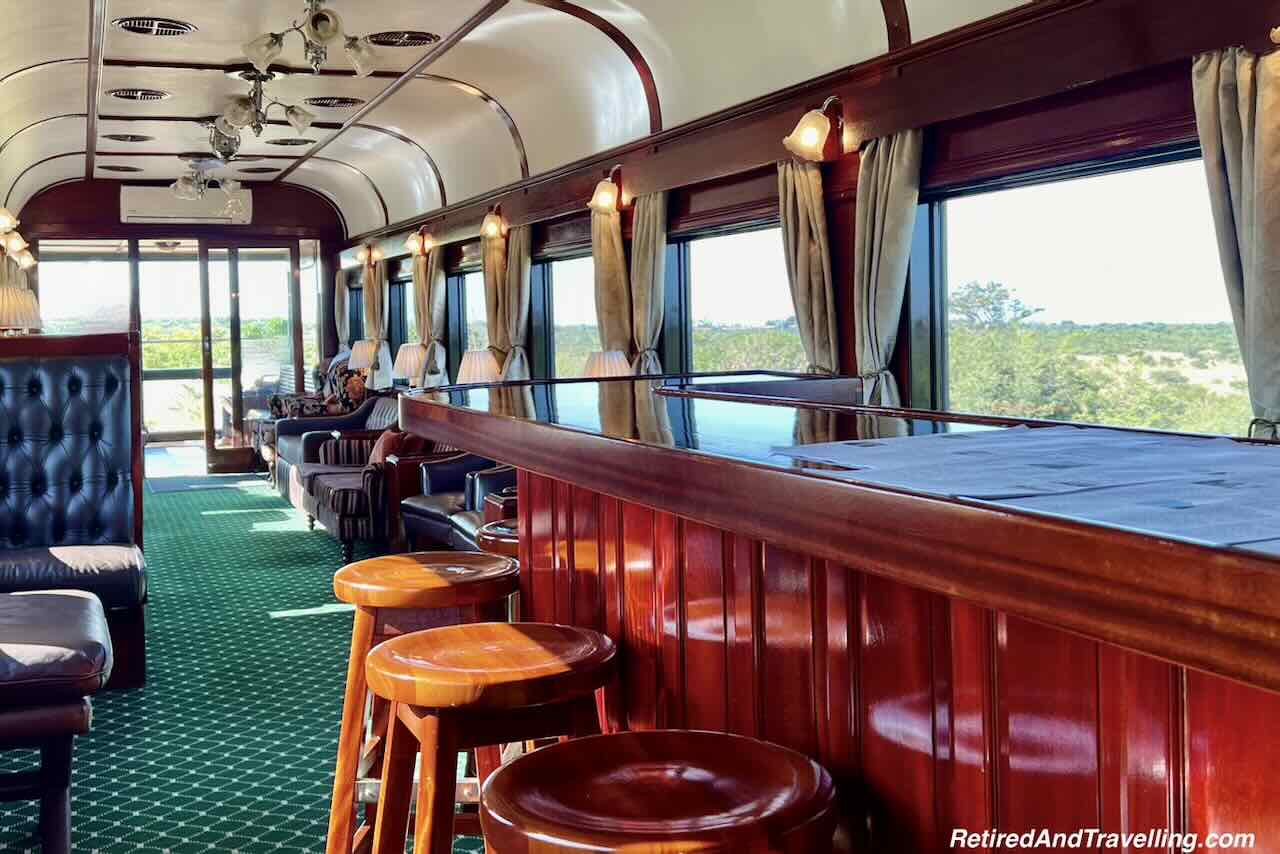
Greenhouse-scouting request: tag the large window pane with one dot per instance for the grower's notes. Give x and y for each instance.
(474, 307)
(1099, 299)
(169, 303)
(311, 290)
(743, 318)
(573, 308)
(266, 347)
(84, 286)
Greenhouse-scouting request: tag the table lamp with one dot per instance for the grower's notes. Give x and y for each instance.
(364, 355)
(608, 363)
(19, 310)
(411, 359)
(478, 366)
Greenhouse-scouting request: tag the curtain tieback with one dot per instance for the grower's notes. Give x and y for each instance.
(1264, 428)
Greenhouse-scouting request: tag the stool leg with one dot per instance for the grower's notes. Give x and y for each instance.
(488, 760)
(342, 810)
(392, 825)
(55, 802)
(437, 787)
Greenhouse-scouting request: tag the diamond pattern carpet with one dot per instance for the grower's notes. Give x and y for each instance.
(229, 748)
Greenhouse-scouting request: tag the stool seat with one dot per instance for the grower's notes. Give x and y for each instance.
(501, 537)
(660, 791)
(490, 665)
(427, 580)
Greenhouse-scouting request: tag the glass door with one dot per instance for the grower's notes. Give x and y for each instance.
(170, 308)
(255, 351)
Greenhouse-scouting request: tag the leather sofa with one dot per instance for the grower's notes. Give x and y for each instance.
(55, 651)
(451, 508)
(67, 491)
(298, 441)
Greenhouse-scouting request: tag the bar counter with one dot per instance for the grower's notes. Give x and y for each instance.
(956, 663)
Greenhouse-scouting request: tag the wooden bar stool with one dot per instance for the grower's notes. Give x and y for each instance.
(393, 595)
(500, 537)
(465, 686)
(660, 792)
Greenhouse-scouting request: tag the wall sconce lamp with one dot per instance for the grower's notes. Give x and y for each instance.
(493, 226)
(369, 254)
(820, 133)
(420, 242)
(1275, 35)
(607, 197)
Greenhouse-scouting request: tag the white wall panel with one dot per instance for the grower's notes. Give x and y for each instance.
(934, 17)
(51, 90)
(351, 193)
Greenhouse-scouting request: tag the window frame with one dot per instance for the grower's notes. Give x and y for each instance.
(548, 359)
(922, 342)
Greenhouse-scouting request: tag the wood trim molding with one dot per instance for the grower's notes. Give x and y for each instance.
(625, 44)
(97, 38)
(438, 50)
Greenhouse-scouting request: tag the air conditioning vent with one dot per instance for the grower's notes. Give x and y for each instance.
(334, 102)
(404, 38)
(158, 205)
(128, 137)
(145, 26)
(113, 168)
(139, 94)
(290, 140)
(258, 170)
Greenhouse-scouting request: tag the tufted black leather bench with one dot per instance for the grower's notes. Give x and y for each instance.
(67, 491)
(55, 651)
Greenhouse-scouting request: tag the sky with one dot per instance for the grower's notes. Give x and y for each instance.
(1128, 247)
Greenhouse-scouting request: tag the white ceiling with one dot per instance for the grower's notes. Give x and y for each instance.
(529, 90)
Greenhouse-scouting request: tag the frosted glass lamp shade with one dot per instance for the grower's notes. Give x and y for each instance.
(810, 136)
(363, 355)
(8, 222)
(492, 225)
(608, 363)
(410, 360)
(299, 119)
(19, 308)
(361, 55)
(605, 198)
(25, 259)
(239, 111)
(13, 243)
(263, 50)
(478, 366)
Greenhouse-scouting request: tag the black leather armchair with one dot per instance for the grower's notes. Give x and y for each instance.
(298, 440)
(480, 484)
(426, 517)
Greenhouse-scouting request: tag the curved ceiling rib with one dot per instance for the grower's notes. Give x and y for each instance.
(435, 170)
(8, 196)
(897, 23)
(97, 37)
(37, 123)
(382, 202)
(76, 60)
(627, 46)
(475, 91)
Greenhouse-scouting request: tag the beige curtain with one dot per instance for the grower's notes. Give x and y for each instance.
(804, 240)
(613, 291)
(515, 303)
(428, 306)
(888, 190)
(648, 280)
(493, 257)
(341, 309)
(1237, 98)
(375, 322)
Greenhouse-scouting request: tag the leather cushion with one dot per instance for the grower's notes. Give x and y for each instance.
(115, 574)
(465, 526)
(289, 447)
(440, 506)
(54, 647)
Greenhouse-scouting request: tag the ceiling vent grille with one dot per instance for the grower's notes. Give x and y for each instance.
(147, 26)
(334, 102)
(404, 38)
(138, 94)
(290, 140)
(120, 168)
(259, 170)
(128, 137)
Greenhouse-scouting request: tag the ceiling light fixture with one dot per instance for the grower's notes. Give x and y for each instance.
(819, 135)
(493, 226)
(319, 27)
(419, 242)
(12, 244)
(252, 111)
(193, 186)
(608, 195)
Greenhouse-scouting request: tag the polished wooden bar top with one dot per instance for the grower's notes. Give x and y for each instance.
(705, 447)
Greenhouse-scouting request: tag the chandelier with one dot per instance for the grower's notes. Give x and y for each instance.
(319, 28)
(252, 111)
(12, 246)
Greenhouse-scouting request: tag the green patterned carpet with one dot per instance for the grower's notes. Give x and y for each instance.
(229, 747)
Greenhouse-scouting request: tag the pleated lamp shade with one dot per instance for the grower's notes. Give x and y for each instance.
(478, 366)
(608, 363)
(363, 355)
(410, 360)
(19, 308)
